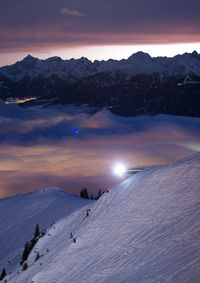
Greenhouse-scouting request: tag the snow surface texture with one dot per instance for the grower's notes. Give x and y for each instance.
(20, 214)
(73, 70)
(145, 229)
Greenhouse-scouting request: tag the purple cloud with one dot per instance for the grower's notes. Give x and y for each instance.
(68, 12)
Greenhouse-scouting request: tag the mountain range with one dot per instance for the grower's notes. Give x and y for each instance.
(139, 85)
(145, 229)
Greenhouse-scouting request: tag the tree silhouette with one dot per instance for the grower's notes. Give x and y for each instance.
(99, 193)
(84, 193)
(25, 266)
(26, 252)
(29, 245)
(3, 274)
(37, 231)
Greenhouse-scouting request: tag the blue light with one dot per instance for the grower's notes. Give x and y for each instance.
(75, 131)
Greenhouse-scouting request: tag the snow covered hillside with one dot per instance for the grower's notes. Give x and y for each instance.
(20, 214)
(146, 229)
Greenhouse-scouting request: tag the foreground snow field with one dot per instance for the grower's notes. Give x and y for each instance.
(146, 229)
(20, 214)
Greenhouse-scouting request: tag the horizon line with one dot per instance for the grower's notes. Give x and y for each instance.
(29, 54)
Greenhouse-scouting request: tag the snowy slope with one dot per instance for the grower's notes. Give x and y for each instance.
(20, 214)
(146, 229)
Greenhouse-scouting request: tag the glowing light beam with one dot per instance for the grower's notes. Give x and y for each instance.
(120, 170)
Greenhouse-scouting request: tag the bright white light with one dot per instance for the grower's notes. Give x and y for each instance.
(119, 169)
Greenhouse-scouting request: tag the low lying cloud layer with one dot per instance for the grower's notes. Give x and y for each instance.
(70, 148)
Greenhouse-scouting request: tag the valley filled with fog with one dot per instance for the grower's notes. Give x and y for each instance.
(72, 147)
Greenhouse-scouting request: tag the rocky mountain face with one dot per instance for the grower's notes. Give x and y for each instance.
(139, 85)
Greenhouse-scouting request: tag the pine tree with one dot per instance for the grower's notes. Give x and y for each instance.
(84, 193)
(29, 245)
(32, 243)
(99, 194)
(3, 274)
(26, 252)
(37, 231)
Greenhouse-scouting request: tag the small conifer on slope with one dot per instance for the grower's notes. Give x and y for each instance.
(3, 274)
(29, 245)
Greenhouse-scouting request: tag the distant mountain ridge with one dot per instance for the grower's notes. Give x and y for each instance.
(139, 85)
(76, 69)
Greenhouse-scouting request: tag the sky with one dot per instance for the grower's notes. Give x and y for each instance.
(97, 29)
(39, 147)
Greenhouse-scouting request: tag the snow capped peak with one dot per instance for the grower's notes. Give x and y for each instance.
(49, 190)
(141, 63)
(29, 59)
(84, 59)
(189, 55)
(195, 54)
(74, 70)
(140, 56)
(54, 59)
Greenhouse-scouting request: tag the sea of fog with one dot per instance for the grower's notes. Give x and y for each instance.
(73, 147)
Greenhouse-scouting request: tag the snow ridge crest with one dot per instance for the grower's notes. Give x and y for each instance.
(48, 189)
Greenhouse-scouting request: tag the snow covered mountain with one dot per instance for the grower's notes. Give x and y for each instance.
(20, 214)
(70, 70)
(73, 70)
(145, 229)
(136, 86)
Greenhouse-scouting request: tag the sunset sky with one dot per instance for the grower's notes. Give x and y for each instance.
(97, 29)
